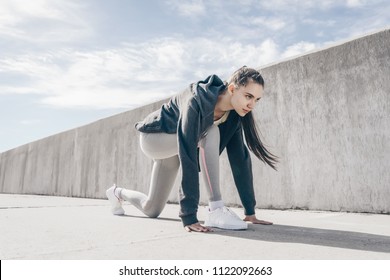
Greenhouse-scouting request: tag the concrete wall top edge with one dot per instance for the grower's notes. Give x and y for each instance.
(327, 47)
(118, 115)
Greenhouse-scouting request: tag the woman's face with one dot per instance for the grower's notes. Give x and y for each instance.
(244, 98)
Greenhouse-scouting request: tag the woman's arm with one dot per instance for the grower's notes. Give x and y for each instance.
(188, 133)
(241, 165)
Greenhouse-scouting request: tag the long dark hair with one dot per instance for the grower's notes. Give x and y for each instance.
(254, 142)
(241, 78)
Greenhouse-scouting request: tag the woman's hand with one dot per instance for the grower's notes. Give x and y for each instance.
(254, 220)
(197, 227)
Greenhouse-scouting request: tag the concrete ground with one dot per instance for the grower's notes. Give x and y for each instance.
(46, 227)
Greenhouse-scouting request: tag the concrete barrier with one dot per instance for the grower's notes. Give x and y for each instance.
(326, 114)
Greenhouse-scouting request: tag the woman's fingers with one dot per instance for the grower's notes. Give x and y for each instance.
(197, 228)
(261, 222)
(254, 220)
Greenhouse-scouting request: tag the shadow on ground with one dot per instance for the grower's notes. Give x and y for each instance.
(304, 235)
(313, 236)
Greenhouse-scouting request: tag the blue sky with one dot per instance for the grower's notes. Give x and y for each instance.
(67, 63)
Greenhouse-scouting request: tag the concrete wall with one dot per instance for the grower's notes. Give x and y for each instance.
(326, 114)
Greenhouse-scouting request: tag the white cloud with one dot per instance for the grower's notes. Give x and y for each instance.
(319, 23)
(43, 20)
(304, 6)
(297, 6)
(274, 24)
(355, 3)
(188, 8)
(30, 122)
(297, 49)
(131, 75)
(4, 90)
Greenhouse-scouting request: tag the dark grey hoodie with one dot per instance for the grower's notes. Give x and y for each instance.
(189, 115)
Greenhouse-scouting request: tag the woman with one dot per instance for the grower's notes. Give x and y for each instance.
(192, 130)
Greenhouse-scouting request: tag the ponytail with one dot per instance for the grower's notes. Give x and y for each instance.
(254, 142)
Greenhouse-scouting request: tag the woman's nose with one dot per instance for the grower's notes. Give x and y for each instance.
(251, 104)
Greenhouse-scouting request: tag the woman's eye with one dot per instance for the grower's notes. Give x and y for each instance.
(248, 97)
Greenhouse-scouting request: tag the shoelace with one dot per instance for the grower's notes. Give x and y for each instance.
(230, 212)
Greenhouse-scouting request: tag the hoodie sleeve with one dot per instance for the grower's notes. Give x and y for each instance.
(241, 165)
(188, 133)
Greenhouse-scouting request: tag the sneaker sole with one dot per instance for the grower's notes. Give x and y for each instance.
(119, 212)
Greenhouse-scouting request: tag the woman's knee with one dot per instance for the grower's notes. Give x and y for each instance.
(153, 211)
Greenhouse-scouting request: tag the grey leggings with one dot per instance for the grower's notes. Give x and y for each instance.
(163, 149)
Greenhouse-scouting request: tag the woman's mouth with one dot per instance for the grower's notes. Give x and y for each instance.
(246, 111)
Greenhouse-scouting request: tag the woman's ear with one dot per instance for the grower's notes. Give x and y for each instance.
(231, 88)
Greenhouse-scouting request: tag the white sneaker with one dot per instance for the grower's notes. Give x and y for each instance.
(116, 203)
(224, 218)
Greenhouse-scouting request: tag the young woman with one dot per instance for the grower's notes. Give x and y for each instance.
(191, 131)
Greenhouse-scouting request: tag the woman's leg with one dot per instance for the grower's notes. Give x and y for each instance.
(209, 165)
(162, 148)
(218, 216)
(163, 177)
